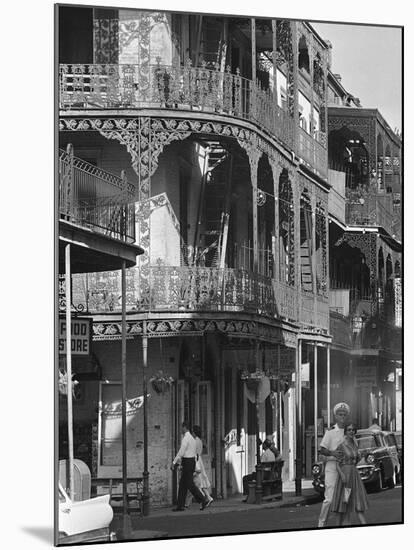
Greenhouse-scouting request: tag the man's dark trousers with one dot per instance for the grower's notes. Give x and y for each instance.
(187, 482)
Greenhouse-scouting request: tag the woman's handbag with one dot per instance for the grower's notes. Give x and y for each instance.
(346, 494)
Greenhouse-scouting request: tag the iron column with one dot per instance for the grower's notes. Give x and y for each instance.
(69, 367)
(126, 520)
(145, 492)
(298, 473)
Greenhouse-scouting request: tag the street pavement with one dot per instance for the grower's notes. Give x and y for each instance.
(232, 516)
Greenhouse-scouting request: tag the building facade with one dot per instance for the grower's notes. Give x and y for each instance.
(365, 256)
(221, 127)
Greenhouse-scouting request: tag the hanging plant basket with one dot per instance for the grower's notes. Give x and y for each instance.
(161, 382)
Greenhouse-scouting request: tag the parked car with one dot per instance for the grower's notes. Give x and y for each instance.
(84, 520)
(378, 467)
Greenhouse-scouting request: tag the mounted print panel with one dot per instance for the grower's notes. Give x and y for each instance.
(229, 273)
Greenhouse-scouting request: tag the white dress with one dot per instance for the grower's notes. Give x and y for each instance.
(203, 480)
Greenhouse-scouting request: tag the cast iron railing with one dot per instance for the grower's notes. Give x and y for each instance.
(186, 289)
(200, 289)
(366, 208)
(204, 89)
(313, 150)
(93, 198)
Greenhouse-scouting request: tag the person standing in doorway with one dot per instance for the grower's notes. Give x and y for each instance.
(187, 457)
(328, 448)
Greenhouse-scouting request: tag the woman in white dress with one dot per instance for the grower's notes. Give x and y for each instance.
(200, 476)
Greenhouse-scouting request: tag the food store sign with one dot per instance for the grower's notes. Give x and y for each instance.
(80, 338)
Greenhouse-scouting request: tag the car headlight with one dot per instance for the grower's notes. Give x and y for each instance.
(370, 459)
(316, 469)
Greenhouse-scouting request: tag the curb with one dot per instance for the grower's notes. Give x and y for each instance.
(288, 502)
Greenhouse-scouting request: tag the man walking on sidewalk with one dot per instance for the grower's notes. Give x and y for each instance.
(187, 456)
(330, 442)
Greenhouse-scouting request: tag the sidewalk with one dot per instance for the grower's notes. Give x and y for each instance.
(234, 504)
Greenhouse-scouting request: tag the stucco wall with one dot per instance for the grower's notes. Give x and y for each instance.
(160, 409)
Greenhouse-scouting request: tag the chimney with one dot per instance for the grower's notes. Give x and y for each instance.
(338, 77)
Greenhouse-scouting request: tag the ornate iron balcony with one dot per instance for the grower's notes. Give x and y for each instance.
(205, 89)
(93, 198)
(189, 289)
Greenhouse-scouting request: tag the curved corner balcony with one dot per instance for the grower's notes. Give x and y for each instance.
(108, 87)
(195, 290)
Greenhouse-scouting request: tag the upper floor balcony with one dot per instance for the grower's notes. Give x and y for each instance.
(95, 199)
(370, 209)
(200, 89)
(96, 217)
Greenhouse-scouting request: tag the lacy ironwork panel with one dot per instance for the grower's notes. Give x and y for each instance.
(321, 245)
(318, 76)
(285, 49)
(106, 40)
(110, 330)
(287, 229)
